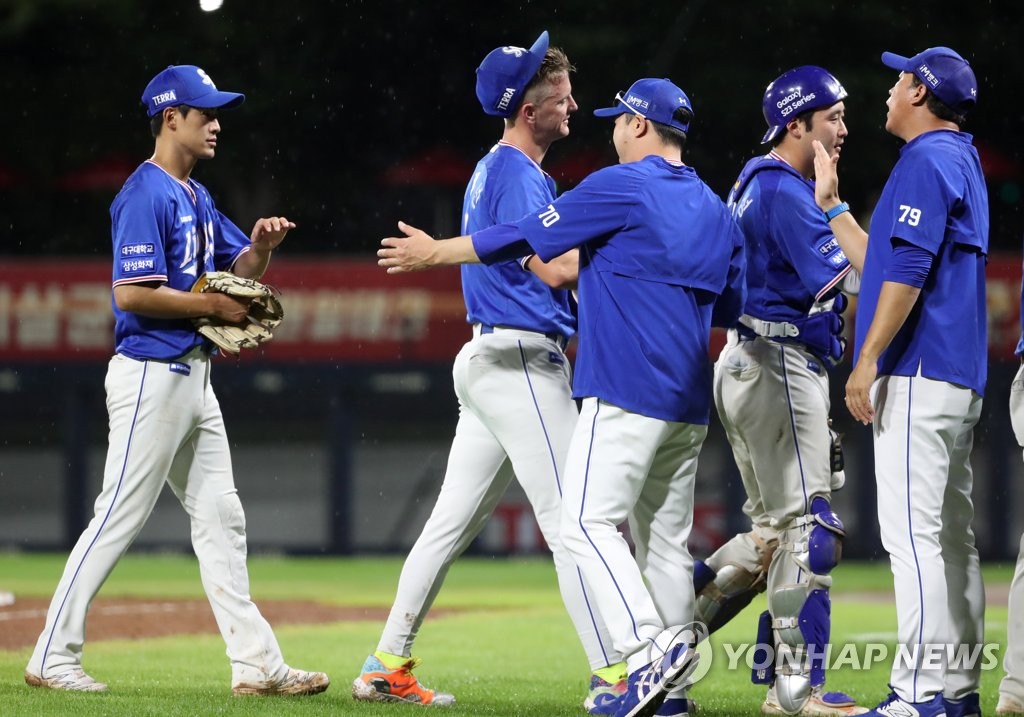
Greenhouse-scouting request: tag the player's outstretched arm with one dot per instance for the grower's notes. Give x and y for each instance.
(852, 239)
(417, 251)
(267, 235)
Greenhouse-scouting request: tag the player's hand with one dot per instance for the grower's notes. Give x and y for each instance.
(858, 390)
(268, 233)
(415, 251)
(826, 178)
(228, 308)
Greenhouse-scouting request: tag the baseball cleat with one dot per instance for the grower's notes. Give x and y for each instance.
(377, 683)
(894, 706)
(969, 706)
(1009, 706)
(676, 707)
(295, 683)
(73, 680)
(603, 696)
(819, 704)
(648, 686)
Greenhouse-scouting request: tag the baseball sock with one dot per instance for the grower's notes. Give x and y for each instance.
(610, 674)
(390, 661)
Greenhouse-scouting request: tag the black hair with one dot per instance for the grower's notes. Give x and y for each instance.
(807, 117)
(156, 122)
(670, 135)
(937, 107)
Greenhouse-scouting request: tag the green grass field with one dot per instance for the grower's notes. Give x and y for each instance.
(508, 650)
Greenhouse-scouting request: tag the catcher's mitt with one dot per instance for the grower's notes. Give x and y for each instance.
(265, 312)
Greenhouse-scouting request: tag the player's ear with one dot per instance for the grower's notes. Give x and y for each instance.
(918, 94)
(796, 128)
(171, 115)
(528, 112)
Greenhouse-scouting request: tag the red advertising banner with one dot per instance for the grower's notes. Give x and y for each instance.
(335, 310)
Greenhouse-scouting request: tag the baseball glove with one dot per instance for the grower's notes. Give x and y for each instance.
(265, 312)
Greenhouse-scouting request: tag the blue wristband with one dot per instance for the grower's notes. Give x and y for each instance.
(836, 211)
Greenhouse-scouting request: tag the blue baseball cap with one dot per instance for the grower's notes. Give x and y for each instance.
(796, 91)
(186, 85)
(505, 73)
(944, 72)
(653, 99)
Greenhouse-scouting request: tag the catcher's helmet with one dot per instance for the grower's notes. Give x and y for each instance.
(796, 91)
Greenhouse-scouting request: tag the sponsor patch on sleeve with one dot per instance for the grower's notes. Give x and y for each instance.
(830, 250)
(135, 266)
(128, 250)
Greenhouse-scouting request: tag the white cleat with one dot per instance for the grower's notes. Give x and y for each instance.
(73, 680)
(1008, 706)
(296, 682)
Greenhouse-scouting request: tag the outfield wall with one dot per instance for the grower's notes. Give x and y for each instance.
(340, 427)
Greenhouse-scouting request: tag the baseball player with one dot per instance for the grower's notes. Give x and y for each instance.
(1011, 688)
(516, 413)
(165, 422)
(778, 354)
(919, 373)
(649, 292)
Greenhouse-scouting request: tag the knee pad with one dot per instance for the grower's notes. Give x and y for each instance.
(732, 577)
(798, 600)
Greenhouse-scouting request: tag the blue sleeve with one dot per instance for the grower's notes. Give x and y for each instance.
(598, 207)
(139, 218)
(921, 201)
(909, 265)
(805, 237)
(500, 243)
(229, 242)
(730, 302)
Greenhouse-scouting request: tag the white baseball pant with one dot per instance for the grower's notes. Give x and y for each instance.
(164, 426)
(624, 465)
(1012, 683)
(516, 417)
(774, 409)
(923, 433)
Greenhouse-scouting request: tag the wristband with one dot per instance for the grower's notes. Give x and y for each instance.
(836, 211)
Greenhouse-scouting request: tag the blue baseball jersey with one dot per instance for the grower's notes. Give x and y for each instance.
(935, 199)
(793, 257)
(660, 259)
(159, 225)
(506, 185)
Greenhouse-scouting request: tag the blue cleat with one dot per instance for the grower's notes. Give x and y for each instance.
(895, 706)
(648, 686)
(969, 706)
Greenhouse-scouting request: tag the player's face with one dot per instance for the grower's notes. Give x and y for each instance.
(553, 110)
(828, 126)
(898, 103)
(197, 132)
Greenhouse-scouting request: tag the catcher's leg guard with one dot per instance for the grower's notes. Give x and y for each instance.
(732, 576)
(798, 584)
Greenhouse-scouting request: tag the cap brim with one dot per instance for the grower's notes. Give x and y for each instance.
(896, 62)
(218, 100)
(611, 111)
